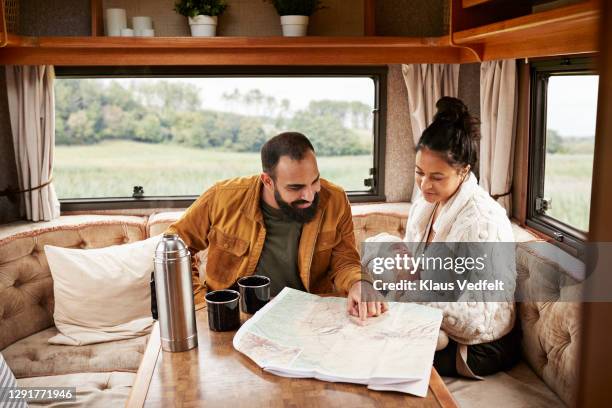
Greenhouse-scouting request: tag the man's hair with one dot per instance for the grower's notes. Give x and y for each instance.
(292, 144)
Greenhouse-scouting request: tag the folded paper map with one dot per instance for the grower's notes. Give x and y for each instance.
(302, 335)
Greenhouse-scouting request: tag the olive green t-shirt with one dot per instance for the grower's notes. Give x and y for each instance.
(278, 259)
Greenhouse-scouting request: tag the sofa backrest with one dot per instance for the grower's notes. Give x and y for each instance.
(551, 321)
(26, 287)
(550, 329)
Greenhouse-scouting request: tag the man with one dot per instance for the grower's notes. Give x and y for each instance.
(287, 224)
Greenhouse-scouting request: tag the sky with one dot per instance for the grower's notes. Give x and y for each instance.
(572, 105)
(300, 91)
(572, 100)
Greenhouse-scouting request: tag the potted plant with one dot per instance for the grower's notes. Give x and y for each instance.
(202, 15)
(294, 15)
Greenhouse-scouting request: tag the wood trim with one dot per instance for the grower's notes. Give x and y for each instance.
(138, 393)
(472, 3)
(521, 154)
(4, 39)
(472, 51)
(538, 234)
(369, 17)
(97, 18)
(287, 43)
(596, 355)
(442, 394)
(577, 13)
(228, 51)
(487, 12)
(566, 30)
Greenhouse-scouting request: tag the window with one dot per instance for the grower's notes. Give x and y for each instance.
(564, 109)
(145, 137)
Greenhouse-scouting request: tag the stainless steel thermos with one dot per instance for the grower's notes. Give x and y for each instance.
(172, 295)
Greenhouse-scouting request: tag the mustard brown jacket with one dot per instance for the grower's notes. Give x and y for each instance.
(227, 220)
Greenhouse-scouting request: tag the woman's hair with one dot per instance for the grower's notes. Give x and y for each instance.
(454, 134)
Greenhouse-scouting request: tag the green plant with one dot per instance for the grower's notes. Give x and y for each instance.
(192, 8)
(296, 7)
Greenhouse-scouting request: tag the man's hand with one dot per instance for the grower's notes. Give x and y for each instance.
(358, 308)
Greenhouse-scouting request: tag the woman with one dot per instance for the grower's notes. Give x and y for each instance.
(452, 208)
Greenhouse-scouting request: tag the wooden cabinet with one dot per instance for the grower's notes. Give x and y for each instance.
(565, 30)
(474, 36)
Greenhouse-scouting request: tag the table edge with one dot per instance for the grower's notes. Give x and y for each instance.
(140, 388)
(441, 391)
(144, 375)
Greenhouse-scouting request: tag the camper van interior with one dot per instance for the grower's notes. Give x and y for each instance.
(154, 154)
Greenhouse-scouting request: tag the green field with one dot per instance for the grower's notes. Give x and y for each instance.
(111, 169)
(568, 184)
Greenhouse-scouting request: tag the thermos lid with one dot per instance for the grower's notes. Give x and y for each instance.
(170, 247)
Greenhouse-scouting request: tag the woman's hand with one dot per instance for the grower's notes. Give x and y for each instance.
(364, 309)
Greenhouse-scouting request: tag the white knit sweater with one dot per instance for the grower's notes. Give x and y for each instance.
(470, 215)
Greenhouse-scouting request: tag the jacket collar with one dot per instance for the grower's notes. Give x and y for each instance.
(250, 207)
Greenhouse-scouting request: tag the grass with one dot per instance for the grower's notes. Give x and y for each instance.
(111, 169)
(568, 184)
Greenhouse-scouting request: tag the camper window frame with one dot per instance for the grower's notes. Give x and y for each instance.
(378, 73)
(541, 70)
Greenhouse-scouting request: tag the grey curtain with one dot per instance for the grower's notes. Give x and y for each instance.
(32, 113)
(426, 83)
(498, 99)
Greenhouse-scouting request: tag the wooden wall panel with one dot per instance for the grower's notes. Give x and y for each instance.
(596, 361)
(521, 151)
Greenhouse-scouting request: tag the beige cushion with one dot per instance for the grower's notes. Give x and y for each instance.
(519, 387)
(551, 323)
(26, 287)
(101, 390)
(366, 226)
(159, 222)
(102, 294)
(34, 356)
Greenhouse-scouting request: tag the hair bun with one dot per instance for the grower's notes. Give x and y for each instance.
(451, 109)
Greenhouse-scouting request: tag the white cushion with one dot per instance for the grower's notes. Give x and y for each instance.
(101, 294)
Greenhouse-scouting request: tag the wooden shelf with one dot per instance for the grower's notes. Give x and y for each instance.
(229, 51)
(472, 3)
(566, 30)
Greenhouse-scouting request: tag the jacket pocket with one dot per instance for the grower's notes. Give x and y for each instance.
(226, 254)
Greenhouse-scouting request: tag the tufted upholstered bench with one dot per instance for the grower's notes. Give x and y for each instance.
(104, 373)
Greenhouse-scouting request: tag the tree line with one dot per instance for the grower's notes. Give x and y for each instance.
(91, 111)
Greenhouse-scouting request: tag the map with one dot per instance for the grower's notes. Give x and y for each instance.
(302, 335)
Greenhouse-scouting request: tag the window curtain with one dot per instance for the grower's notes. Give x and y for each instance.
(426, 83)
(498, 100)
(32, 114)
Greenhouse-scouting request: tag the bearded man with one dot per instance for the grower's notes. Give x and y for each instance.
(287, 223)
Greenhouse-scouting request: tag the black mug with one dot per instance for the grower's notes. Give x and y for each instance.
(223, 310)
(254, 293)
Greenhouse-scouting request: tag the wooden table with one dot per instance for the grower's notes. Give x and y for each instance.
(216, 375)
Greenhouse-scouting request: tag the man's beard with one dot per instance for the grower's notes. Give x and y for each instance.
(291, 210)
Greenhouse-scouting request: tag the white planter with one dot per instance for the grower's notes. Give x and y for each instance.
(294, 26)
(203, 26)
